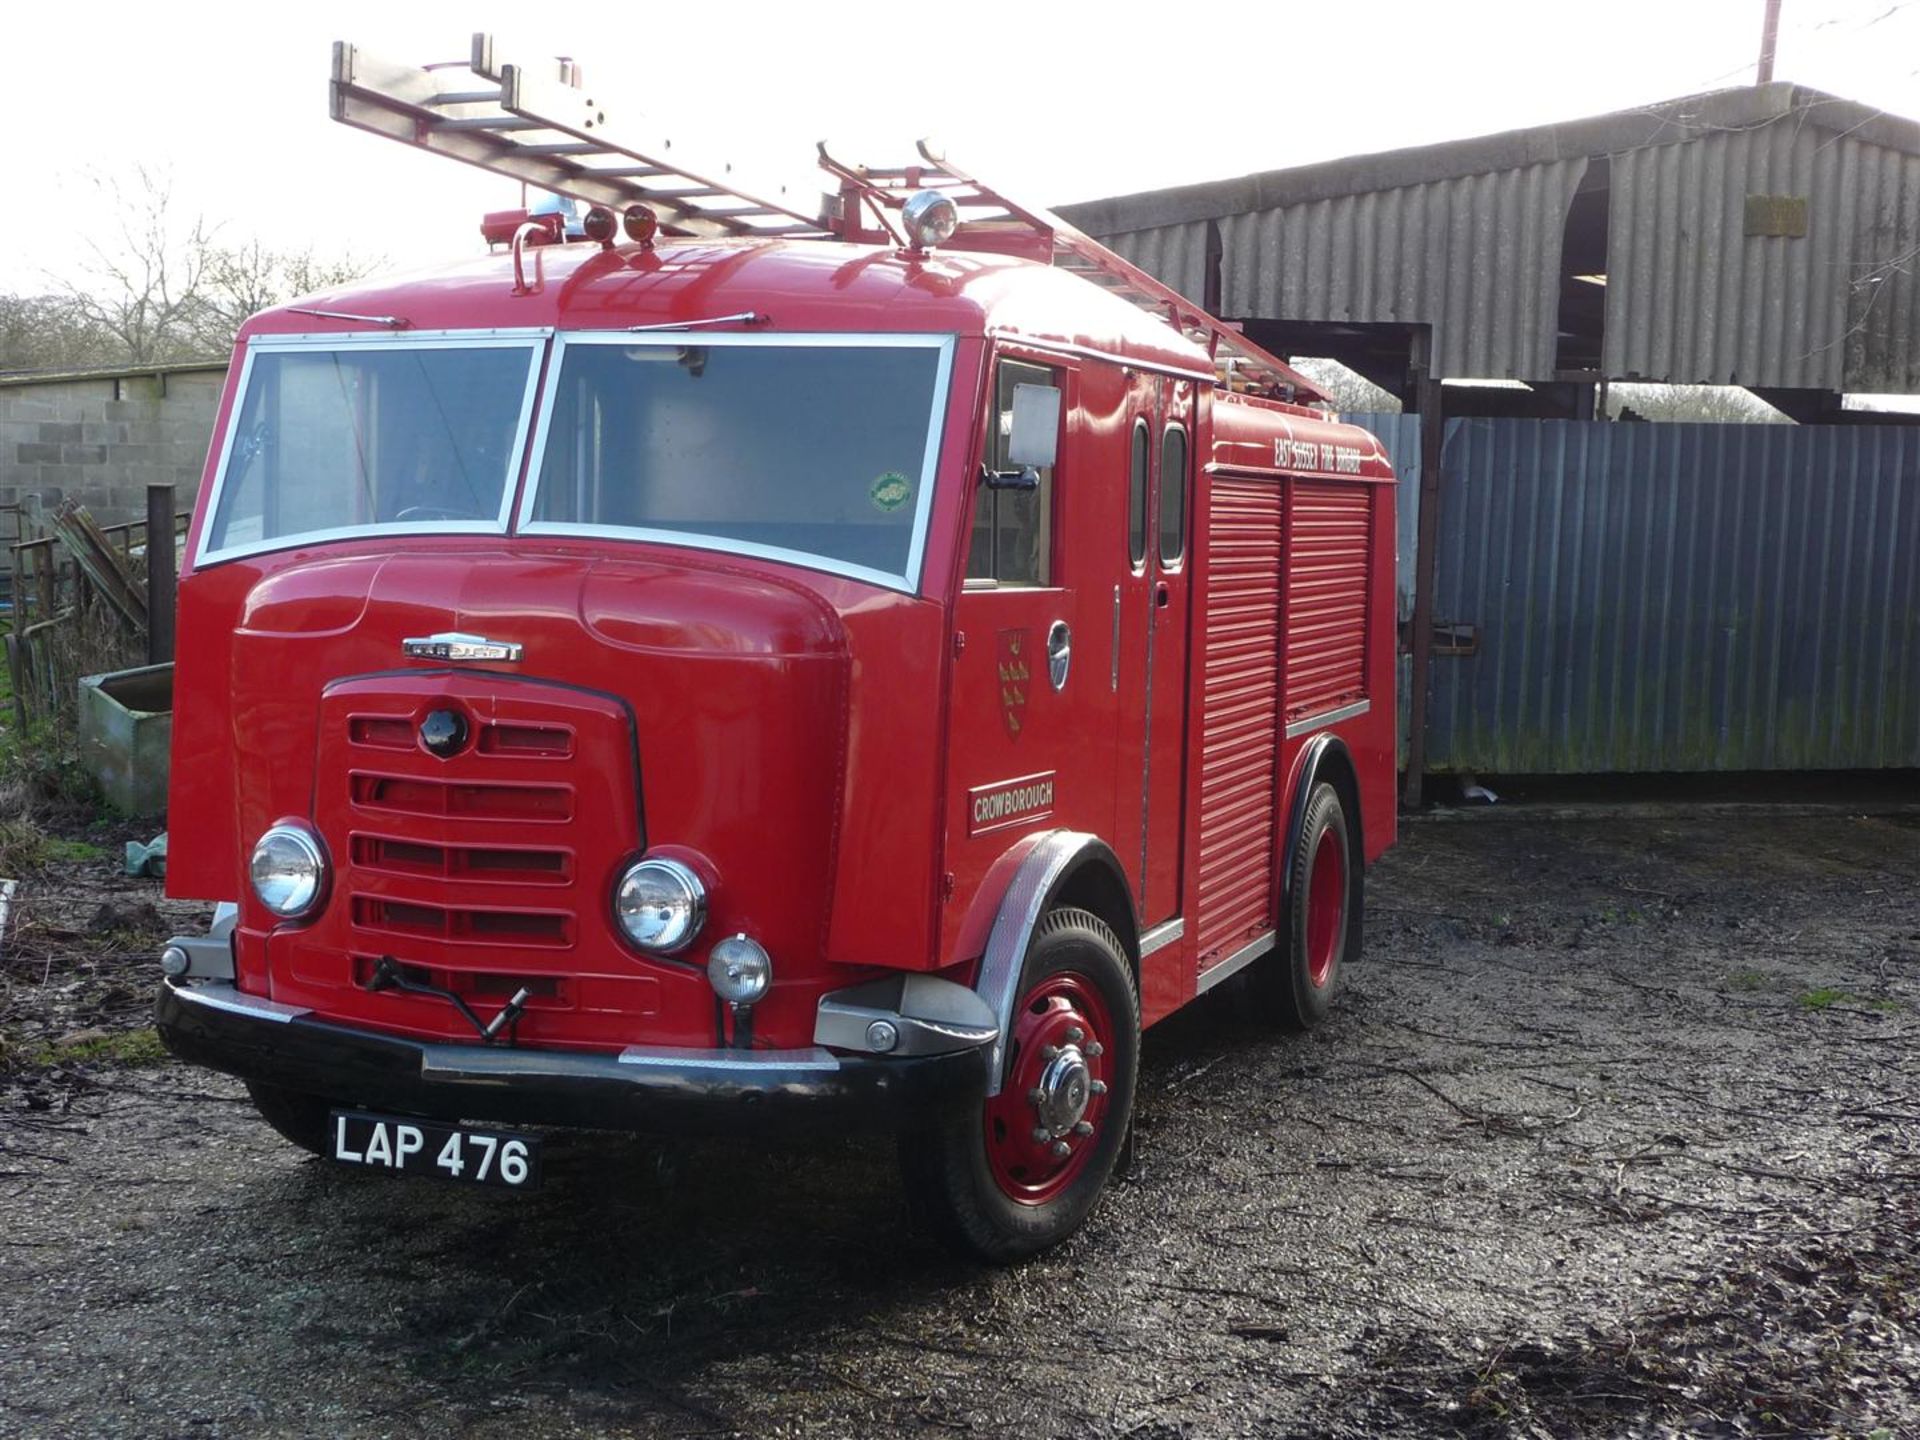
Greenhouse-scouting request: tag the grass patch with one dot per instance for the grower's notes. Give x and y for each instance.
(25, 847)
(1826, 999)
(1746, 980)
(129, 1047)
(54, 849)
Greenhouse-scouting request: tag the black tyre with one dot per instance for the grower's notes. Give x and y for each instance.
(1296, 984)
(1019, 1173)
(303, 1119)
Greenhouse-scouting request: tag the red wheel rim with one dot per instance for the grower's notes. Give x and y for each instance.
(1062, 1034)
(1326, 906)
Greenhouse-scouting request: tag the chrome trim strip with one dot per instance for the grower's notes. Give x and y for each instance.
(907, 581)
(1161, 936)
(236, 1002)
(533, 341)
(1297, 728)
(1013, 926)
(686, 1057)
(1235, 962)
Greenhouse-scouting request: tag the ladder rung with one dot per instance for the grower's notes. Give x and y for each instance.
(498, 124)
(631, 172)
(465, 97)
(566, 147)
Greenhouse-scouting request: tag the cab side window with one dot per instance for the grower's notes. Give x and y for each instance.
(1012, 529)
(1173, 495)
(1137, 498)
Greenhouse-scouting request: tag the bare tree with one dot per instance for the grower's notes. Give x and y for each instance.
(48, 332)
(163, 287)
(1350, 391)
(242, 280)
(1697, 404)
(144, 290)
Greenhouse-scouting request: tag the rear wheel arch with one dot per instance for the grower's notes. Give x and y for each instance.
(1326, 760)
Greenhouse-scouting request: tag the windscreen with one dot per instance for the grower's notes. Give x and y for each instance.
(819, 453)
(330, 442)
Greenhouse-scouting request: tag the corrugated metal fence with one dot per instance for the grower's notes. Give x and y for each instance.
(1671, 597)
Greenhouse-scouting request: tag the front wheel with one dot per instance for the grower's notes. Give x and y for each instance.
(1296, 984)
(1020, 1172)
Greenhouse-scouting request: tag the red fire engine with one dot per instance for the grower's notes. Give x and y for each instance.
(753, 665)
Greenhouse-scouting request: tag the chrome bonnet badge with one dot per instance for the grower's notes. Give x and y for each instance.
(452, 645)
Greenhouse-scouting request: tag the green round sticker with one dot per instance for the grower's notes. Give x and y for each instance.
(890, 491)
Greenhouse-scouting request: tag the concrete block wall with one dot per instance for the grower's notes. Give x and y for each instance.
(103, 438)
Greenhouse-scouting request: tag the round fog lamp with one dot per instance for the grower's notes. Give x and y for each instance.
(661, 905)
(740, 970)
(288, 870)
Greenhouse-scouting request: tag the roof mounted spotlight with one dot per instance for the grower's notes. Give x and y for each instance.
(930, 218)
(641, 224)
(600, 225)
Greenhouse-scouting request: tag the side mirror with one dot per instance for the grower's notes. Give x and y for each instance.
(1033, 438)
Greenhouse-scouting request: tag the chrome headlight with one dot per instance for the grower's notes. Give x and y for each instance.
(661, 904)
(289, 870)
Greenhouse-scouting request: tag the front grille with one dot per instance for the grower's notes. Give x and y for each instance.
(452, 799)
(484, 866)
(466, 925)
(390, 856)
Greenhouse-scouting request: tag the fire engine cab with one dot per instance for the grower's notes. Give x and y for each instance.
(725, 663)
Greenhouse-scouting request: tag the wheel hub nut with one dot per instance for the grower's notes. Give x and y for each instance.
(1066, 1085)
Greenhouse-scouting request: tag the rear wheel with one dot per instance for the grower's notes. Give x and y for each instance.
(1297, 983)
(298, 1117)
(1021, 1171)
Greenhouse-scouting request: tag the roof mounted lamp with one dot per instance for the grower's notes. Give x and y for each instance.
(601, 225)
(930, 217)
(641, 225)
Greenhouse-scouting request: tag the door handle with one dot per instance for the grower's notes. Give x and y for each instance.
(1162, 597)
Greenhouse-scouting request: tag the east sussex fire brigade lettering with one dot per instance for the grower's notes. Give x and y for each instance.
(1007, 802)
(1317, 455)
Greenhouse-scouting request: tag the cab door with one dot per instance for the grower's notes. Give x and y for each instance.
(1018, 728)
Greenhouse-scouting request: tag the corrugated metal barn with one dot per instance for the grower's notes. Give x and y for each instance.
(1587, 596)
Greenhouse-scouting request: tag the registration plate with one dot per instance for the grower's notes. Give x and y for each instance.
(448, 1152)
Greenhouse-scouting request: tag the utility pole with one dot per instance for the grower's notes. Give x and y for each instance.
(1769, 36)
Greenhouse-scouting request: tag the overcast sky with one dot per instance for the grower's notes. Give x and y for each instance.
(1054, 102)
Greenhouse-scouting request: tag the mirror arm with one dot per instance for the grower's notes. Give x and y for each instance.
(1025, 478)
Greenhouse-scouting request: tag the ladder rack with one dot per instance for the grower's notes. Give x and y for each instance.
(529, 123)
(537, 124)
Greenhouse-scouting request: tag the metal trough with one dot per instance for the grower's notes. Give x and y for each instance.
(126, 731)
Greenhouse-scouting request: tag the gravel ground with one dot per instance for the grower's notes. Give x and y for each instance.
(1615, 1131)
